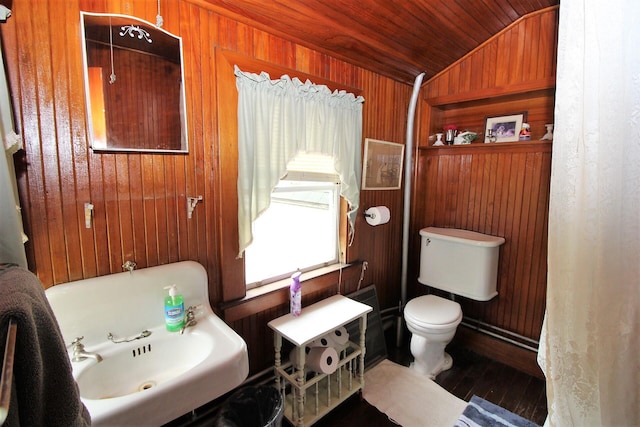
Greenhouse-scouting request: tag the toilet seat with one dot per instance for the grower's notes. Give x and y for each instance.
(432, 313)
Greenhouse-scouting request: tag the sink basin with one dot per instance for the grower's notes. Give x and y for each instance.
(142, 366)
(158, 378)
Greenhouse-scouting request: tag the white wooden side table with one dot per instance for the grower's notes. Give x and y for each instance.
(327, 390)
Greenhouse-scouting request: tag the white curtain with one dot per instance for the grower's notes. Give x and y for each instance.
(11, 236)
(590, 344)
(277, 119)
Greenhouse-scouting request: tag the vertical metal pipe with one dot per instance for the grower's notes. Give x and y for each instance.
(6, 377)
(408, 173)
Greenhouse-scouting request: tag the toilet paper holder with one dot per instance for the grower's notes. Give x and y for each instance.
(377, 215)
(369, 213)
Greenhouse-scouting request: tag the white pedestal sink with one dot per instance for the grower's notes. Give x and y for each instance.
(155, 379)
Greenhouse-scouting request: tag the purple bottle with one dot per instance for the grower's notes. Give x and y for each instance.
(296, 294)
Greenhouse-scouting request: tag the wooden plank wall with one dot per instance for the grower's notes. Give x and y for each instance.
(498, 189)
(140, 199)
(502, 192)
(519, 56)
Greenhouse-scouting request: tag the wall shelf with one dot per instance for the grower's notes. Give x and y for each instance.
(527, 88)
(475, 147)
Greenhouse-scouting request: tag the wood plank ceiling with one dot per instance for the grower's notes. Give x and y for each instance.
(396, 38)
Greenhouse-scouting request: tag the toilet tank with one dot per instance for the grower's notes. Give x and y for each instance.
(462, 262)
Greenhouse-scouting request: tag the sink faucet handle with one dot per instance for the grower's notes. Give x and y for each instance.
(192, 308)
(129, 265)
(190, 313)
(77, 342)
(190, 317)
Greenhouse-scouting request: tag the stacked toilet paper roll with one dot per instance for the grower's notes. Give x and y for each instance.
(338, 336)
(319, 359)
(322, 354)
(323, 360)
(324, 341)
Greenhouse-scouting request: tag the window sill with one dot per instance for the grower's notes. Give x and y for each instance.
(284, 283)
(277, 293)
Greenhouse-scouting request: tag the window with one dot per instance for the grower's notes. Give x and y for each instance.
(299, 230)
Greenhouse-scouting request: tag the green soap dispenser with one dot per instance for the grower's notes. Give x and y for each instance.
(173, 309)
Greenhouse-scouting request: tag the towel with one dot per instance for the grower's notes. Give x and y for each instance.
(482, 413)
(44, 391)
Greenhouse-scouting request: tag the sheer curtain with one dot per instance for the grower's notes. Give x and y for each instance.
(11, 236)
(590, 343)
(277, 119)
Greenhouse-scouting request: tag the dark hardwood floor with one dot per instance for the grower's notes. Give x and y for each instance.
(470, 375)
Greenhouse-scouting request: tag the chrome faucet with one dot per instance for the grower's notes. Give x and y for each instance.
(79, 354)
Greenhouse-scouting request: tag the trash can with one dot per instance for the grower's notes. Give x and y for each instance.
(253, 406)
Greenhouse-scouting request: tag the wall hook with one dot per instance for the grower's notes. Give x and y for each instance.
(88, 209)
(191, 205)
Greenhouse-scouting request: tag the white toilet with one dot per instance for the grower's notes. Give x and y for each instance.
(458, 261)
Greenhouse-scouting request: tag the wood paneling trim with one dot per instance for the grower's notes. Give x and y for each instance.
(483, 94)
(522, 359)
(256, 66)
(232, 275)
(477, 148)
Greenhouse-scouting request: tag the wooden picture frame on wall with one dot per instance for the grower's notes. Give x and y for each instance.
(504, 128)
(383, 162)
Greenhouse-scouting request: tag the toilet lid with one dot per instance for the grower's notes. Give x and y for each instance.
(431, 310)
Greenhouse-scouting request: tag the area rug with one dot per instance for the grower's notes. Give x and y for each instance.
(408, 398)
(482, 413)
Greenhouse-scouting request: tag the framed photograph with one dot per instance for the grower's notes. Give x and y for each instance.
(382, 168)
(504, 128)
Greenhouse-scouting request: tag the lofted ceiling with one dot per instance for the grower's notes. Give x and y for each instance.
(396, 38)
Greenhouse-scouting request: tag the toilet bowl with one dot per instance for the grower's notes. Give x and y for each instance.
(460, 262)
(432, 322)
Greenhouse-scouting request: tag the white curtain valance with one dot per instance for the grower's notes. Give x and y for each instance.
(5, 12)
(277, 119)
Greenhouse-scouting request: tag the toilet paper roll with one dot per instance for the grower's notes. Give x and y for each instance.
(323, 360)
(339, 336)
(324, 341)
(377, 215)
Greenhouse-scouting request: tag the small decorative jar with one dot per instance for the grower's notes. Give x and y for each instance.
(525, 132)
(549, 134)
(450, 132)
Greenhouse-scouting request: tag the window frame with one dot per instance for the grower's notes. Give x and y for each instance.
(231, 281)
(334, 187)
